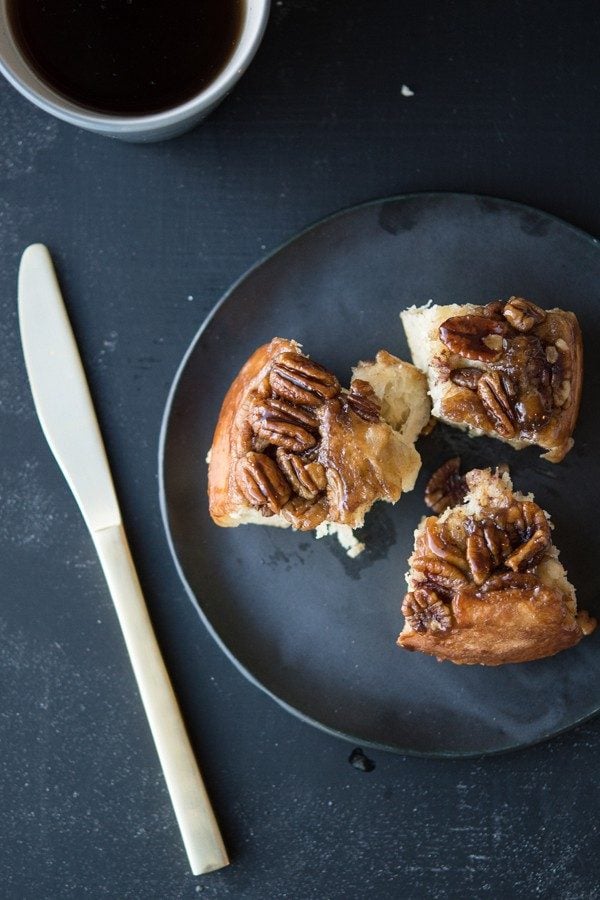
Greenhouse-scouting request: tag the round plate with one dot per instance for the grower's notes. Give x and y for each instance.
(313, 628)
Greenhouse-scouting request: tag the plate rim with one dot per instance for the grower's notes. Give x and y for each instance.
(321, 726)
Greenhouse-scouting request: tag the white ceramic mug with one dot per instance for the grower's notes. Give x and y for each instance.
(154, 126)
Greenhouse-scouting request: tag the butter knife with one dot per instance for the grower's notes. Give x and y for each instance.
(66, 413)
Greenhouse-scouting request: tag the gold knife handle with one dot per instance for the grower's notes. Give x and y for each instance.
(193, 810)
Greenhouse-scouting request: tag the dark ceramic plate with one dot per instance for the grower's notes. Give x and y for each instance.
(313, 628)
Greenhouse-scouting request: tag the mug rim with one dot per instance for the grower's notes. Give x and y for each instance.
(76, 114)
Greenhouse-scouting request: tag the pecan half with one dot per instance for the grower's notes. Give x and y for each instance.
(261, 482)
(506, 581)
(306, 478)
(494, 308)
(530, 524)
(522, 314)
(441, 575)
(467, 377)
(300, 380)
(523, 518)
(478, 556)
(474, 337)
(528, 553)
(284, 425)
(363, 400)
(304, 515)
(487, 547)
(495, 390)
(446, 487)
(425, 611)
(441, 546)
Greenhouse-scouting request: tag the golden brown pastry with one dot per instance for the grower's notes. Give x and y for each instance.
(510, 370)
(293, 448)
(485, 585)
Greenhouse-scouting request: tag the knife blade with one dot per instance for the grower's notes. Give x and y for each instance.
(66, 413)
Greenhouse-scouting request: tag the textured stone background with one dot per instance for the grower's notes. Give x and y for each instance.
(146, 238)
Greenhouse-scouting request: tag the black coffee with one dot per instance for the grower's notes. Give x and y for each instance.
(127, 56)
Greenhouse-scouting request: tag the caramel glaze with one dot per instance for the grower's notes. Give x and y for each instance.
(360, 457)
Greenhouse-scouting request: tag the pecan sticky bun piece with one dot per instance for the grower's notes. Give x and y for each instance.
(291, 448)
(508, 369)
(485, 585)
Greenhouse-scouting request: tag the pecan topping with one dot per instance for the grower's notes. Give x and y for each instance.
(468, 377)
(531, 526)
(532, 379)
(478, 557)
(506, 581)
(528, 553)
(295, 378)
(446, 487)
(494, 308)
(474, 337)
(522, 314)
(515, 537)
(336, 490)
(363, 400)
(304, 515)
(529, 373)
(496, 392)
(424, 611)
(487, 547)
(496, 549)
(306, 478)
(524, 518)
(261, 483)
(441, 575)
(441, 546)
(284, 425)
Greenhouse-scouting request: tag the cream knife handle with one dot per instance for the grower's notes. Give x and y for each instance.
(196, 819)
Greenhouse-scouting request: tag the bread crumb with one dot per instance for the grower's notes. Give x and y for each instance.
(345, 536)
(208, 456)
(406, 91)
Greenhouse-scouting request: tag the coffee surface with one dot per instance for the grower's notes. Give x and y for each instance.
(130, 57)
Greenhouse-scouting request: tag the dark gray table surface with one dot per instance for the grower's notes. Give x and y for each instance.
(146, 238)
